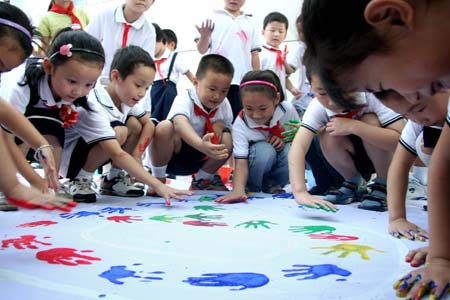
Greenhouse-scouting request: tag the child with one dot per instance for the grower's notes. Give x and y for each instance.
(356, 144)
(116, 128)
(196, 135)
(169, 66)
(259, 151)
(122, 26)
(61, 14)
(16, 34)
(231, 33)
(404, 28)
(171, 39)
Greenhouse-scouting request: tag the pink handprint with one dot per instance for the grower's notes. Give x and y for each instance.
(125, 219)
(24, 242)
(66, 256)
(333, 237)
(203, 223)
(37, 223)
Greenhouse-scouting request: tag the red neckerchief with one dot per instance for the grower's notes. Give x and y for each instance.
(158, 63)
(126, 29)
(69, 11)
(350, 114)
(208, 123)
(281, 56)
(275, 130)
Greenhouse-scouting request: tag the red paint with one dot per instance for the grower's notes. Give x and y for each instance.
(38, 223)
(66, 256)
(333, 237)
(142, 147)
(203, 223)
(125, 219)
(24, 242)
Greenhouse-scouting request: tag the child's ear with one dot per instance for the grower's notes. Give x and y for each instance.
(384, 15)
(114, 75)
(278, 99)
(195, 81)
(47, 66)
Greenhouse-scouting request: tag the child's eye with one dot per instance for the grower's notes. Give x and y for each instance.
(322, 94)
(88, 85)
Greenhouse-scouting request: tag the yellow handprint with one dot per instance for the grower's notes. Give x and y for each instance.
(347, 248)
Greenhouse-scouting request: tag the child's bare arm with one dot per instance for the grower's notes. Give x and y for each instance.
(205, 30)
(148, 129)
(291, 88)
(239, 182)
(256, 65)
(190, 76)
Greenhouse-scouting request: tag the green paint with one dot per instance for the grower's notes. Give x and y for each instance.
(207, 208)
(163, 218)
(312, 229)
(203, 217)
(206, 199)
(256, 224)
(347, 249)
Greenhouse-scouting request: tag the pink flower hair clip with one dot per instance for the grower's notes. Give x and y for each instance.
(65, 50)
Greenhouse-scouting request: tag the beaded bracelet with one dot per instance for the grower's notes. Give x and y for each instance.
(38, 155)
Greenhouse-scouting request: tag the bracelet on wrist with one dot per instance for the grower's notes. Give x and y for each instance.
(38, 154)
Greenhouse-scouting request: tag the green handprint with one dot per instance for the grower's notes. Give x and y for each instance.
(206, 199)
(256, 224)
(347, 248)
(163, 218)
(312, 229)
(207, 208)
(289, 134)
(202, 217)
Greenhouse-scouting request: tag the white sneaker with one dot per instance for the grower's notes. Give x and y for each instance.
(121, 185)
(416, 190)
(82, 190)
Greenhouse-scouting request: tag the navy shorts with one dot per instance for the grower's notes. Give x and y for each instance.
(187, 162)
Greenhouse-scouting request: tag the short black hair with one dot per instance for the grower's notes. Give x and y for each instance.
(275, 17)
(160, 37)
(129, 58)
(215, 63)
(170, 36)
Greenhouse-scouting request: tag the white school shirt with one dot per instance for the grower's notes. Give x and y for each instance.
(108, 28)
(184, 105)
(180, 66)
(268, 61)
(317, 116)
(235, 38)
(244, 132)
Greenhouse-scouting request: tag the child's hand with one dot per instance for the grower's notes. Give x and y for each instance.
(276, 142)
(206, 28)
(41, 184)
(68, 115)
(308, 200)
(417, 257)
(233, 197)
(47, 161)
(213, 151)
(340, 126)
(289, 135)
(168, 192)
(296, 93)
(433, 279)
(402, 228)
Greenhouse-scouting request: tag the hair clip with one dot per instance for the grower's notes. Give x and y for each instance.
(65, 50)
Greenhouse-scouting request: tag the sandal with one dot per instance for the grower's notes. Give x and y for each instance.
(375, 202)
(337, 196)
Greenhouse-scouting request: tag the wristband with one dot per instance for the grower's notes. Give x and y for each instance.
(38, 155)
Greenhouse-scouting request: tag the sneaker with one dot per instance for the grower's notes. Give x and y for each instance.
(375, 198)
(352, 193)
(63, 191)
(215, 184)
(274, 190)
(82, 190)
(416, 190)
(121, 185)
(4, 205)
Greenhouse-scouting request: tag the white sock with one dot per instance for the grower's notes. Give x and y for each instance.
(85, 174)
(159, 171)
(204, 175)
(113, 173)
(421, 173)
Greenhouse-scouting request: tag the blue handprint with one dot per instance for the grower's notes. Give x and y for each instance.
(112, 210)
(283, 196)
(242, 280)
(119, 272)
(80, 214)
(148, 204)
(315, 271)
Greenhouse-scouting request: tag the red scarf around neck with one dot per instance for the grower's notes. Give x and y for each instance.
(69, 11)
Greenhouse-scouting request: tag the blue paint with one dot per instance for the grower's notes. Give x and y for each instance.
(118, 272)
(283, 196)
(112, 210)
(102, 296)
(341, 279)
(148, 204)
(80, 214)
(242, 280)
(315, 271)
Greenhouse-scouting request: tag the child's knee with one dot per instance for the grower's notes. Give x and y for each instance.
(121, 134)
(164, 129)
(134, 126)
(333, 144)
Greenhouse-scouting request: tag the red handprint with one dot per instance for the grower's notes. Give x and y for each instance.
(38, 223)
(66, 256)
(24, 242)
(333, 237)
(68, 115)
(126, 219)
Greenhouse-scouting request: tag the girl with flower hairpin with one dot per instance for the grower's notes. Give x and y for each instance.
(261, 155)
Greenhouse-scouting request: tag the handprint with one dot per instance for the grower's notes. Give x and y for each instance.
(203, 223)
(207, 208)
(255, 224)
(312, 229)
(148, 204)
(242, 280)
(24, 242)
(124, 219)
(203, 217)
(333, 237)
(283, 196)
(118, 272)
(163, 218)
(37, 223)
(206, 199)
(315, 271)
(65, 256)
(80, 214)
(112, 210)
(346, 249)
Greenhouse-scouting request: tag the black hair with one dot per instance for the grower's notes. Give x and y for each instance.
(50, 5)
(337, 34)
(170, 36)
(264, 75)
(275, 17)
(16, 15)
(160, 38)
(85, 48)
(129, 58)
(215, 63)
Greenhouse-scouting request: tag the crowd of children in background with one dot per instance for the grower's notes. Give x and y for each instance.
(101, 94)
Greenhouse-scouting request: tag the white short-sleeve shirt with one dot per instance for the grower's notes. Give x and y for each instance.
(409, 136)
(108, 28)
(184, 105)
(235, 38)
(244, 132)
(268, 61)
(317, 116)
(180, 66)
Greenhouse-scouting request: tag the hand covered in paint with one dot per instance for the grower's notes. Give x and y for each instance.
(206, 28)
(417, 257)
(310, 201)
(433, 279)
(276, 142)
(402, 228)
(68, 115)
(315, 271)
(168, 192)
(233, 197)
(340, 126)
(212, 149)
(289, 134)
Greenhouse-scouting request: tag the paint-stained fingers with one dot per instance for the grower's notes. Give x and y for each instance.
(230, 200)
(417, 257)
